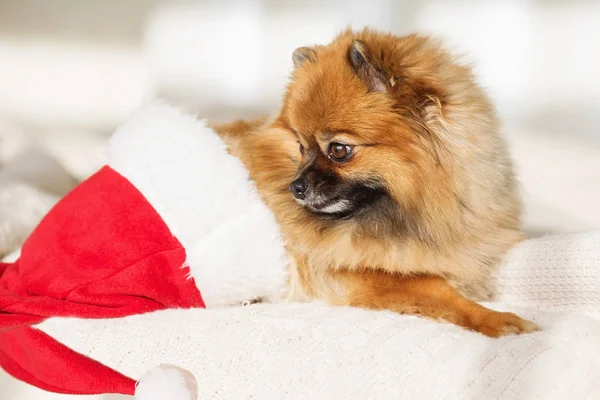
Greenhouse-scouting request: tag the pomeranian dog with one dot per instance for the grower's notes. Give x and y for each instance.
(388, 176)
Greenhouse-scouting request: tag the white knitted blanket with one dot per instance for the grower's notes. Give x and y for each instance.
(314, 351)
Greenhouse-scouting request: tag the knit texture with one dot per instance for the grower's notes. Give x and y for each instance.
(554, 273)
(308, 351)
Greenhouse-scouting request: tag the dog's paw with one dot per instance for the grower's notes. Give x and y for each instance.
(496, 324)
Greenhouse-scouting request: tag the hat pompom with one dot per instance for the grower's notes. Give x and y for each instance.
(167, 382)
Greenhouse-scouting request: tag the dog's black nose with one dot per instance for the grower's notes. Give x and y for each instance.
(299, 187)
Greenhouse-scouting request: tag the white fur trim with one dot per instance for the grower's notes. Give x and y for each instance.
(167, 382)
(234, 247)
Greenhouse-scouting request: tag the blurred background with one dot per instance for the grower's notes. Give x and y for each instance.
(73, 70)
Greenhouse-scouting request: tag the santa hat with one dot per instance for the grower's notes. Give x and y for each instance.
(172, 221)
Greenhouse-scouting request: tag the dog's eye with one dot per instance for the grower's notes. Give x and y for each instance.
(339, 151)
(302, 150)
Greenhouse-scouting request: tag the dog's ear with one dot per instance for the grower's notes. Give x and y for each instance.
(302, 54)
(360, 59)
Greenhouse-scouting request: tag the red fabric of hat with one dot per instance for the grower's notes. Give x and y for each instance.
(101, 252)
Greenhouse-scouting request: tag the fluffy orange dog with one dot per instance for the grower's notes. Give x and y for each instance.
(391, 183)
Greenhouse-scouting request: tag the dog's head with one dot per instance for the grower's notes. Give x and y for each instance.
(359, 108)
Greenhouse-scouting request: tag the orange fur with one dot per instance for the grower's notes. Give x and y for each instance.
(427, 134)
